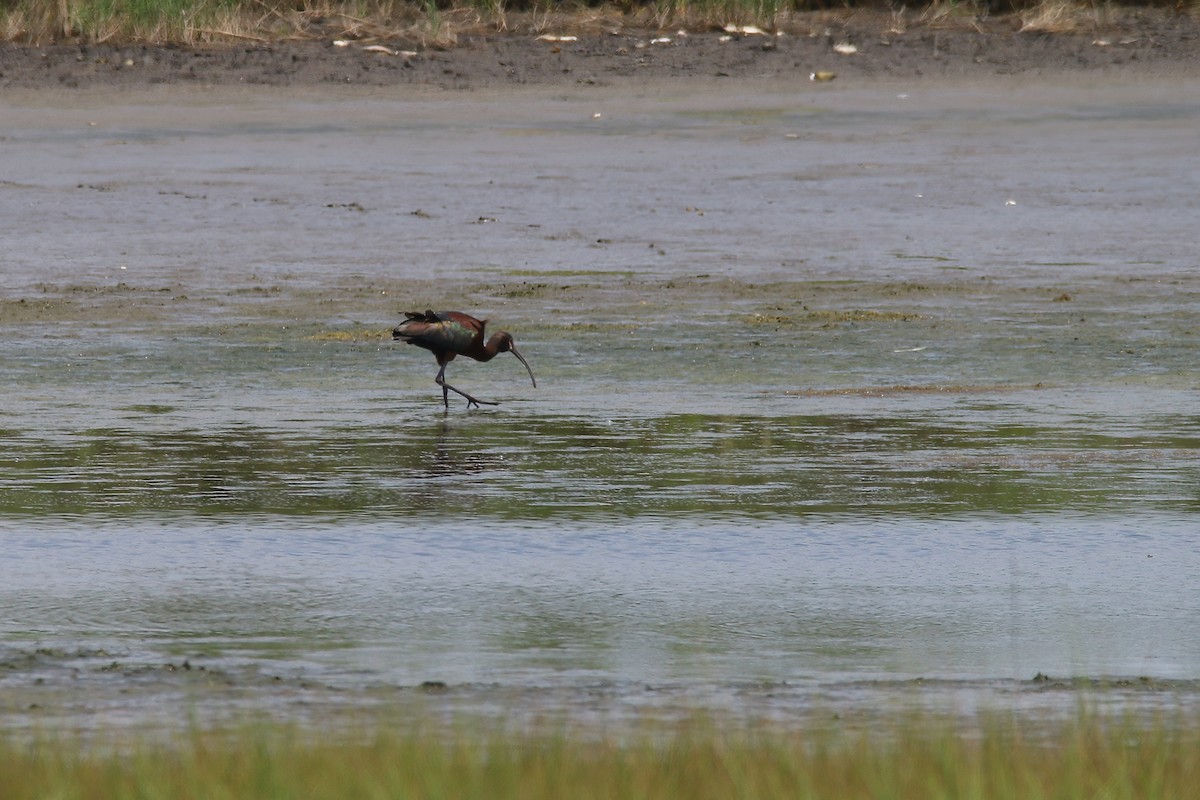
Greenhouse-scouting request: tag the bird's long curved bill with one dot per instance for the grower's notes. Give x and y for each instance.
(513, 350)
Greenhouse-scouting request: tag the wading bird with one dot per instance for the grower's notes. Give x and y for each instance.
(447, 334)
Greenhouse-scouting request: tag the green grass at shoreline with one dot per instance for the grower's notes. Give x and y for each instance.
(926, 759)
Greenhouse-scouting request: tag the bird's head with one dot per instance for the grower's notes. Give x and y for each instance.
(505, 344)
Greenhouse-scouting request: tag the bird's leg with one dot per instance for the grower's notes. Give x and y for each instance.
(446, 388)
(441, 382)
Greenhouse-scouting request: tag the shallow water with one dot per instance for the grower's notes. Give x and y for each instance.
(850, 399)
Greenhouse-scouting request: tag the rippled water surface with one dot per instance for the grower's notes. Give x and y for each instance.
(850, 399)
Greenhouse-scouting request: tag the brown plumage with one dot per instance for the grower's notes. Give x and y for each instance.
(447, 334)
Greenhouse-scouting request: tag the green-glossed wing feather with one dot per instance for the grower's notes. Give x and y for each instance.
(445, 331)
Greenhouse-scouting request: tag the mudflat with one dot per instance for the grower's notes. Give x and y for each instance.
(853, 395)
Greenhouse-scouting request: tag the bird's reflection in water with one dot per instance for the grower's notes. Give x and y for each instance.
(448, 456)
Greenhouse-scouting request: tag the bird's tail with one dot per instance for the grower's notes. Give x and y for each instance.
(422, 316)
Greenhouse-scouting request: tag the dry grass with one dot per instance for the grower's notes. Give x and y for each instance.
(33, 20)
(941, 14)
(440, 22)
(1065, 16)
(201, 21)
(1052, 16)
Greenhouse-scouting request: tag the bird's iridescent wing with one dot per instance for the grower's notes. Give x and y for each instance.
(446, 331)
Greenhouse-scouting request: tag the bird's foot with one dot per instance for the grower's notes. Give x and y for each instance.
(471, 401)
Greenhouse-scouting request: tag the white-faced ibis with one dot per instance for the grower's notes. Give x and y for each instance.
(447, 334)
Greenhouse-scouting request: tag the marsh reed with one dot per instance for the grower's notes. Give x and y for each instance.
(193, 22)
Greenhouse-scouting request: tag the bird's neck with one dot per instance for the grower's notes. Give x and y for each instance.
(486, 352)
